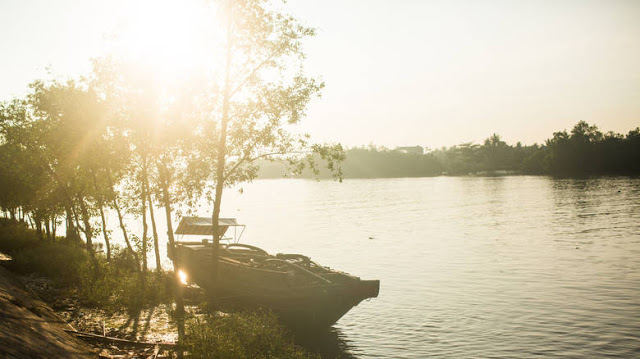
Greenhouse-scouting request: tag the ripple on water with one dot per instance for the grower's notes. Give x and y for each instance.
(469, 267)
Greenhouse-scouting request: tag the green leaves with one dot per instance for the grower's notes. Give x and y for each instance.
(248, 334)
(70, 148)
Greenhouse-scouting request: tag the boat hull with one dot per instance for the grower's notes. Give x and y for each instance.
(301, 301)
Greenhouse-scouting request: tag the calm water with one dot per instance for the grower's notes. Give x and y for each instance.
(469, 267)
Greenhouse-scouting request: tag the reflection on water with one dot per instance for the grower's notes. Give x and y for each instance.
(331, 343)
(469, 267)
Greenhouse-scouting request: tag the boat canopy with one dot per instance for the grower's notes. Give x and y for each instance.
(203, 226)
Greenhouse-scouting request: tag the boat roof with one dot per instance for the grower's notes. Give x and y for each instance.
(203, 225)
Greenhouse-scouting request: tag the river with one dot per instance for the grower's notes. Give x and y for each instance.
(469, 266)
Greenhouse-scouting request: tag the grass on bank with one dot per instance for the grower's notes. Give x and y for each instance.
(251, 334)
(93, 281)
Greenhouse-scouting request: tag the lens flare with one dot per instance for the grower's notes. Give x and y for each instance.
(183, 277)
(173, 39)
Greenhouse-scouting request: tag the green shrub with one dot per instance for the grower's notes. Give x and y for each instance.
(135, 290)
(97, 282)
(59, 261)
(241, 335)
(15, 236)
(115, 285)
(123, 259)
(120, 285)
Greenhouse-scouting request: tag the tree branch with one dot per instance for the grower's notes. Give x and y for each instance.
(248, 159)
(255, 70)
(234, 168)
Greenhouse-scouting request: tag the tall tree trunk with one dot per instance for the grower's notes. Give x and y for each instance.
(86, 220)
(121, 222)
(72, 231)
(104, 233)
(35, 222)
(166, 200)
(145, 227)
(78, 227)
(222, 151)
(104, 223)
(39, 228)
(124, 232)
(47, 228)
(155, 231)
(54, 227)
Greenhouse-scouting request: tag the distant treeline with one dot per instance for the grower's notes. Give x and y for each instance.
(581, 152)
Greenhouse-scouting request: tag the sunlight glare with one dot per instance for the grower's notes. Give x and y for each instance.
(172, 39)
(183, 277)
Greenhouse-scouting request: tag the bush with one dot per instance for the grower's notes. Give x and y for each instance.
(116, 285)
(241, 335)
(136, 290)
(59, 261)
(97, 283)
(15, 236)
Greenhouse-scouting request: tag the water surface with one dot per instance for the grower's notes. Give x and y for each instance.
(469, 267)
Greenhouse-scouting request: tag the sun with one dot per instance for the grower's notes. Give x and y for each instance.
(170, 38)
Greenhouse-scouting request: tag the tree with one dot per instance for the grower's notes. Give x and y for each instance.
(496, 153)
(260, 92)
(65, 139)
(19, 175)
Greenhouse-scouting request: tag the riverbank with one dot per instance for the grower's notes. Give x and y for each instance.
(114, 299)
(584, 151)
(29, 328)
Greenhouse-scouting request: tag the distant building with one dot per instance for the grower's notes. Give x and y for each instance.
(417, 150)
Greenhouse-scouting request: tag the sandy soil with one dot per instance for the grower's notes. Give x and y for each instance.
(30, 329)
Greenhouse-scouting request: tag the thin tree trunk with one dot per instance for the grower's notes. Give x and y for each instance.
(121, 221)
(33, 223)
(166, 200)
(47, 228)
(104, 233)
(104, 223)
(124, 232)
(39, 231)
(54, 227)
(72, 232)
(155, 232)
(143, 198)
(222, 152)
(78, 227)
(86, 220)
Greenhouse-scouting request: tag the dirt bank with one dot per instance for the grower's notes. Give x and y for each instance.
(30, 329)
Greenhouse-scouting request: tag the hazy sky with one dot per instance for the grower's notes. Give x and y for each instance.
(431, 73)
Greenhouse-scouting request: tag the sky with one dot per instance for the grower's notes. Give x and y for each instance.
(430, 73)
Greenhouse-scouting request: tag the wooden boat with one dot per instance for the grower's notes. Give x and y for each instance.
(303, 293)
